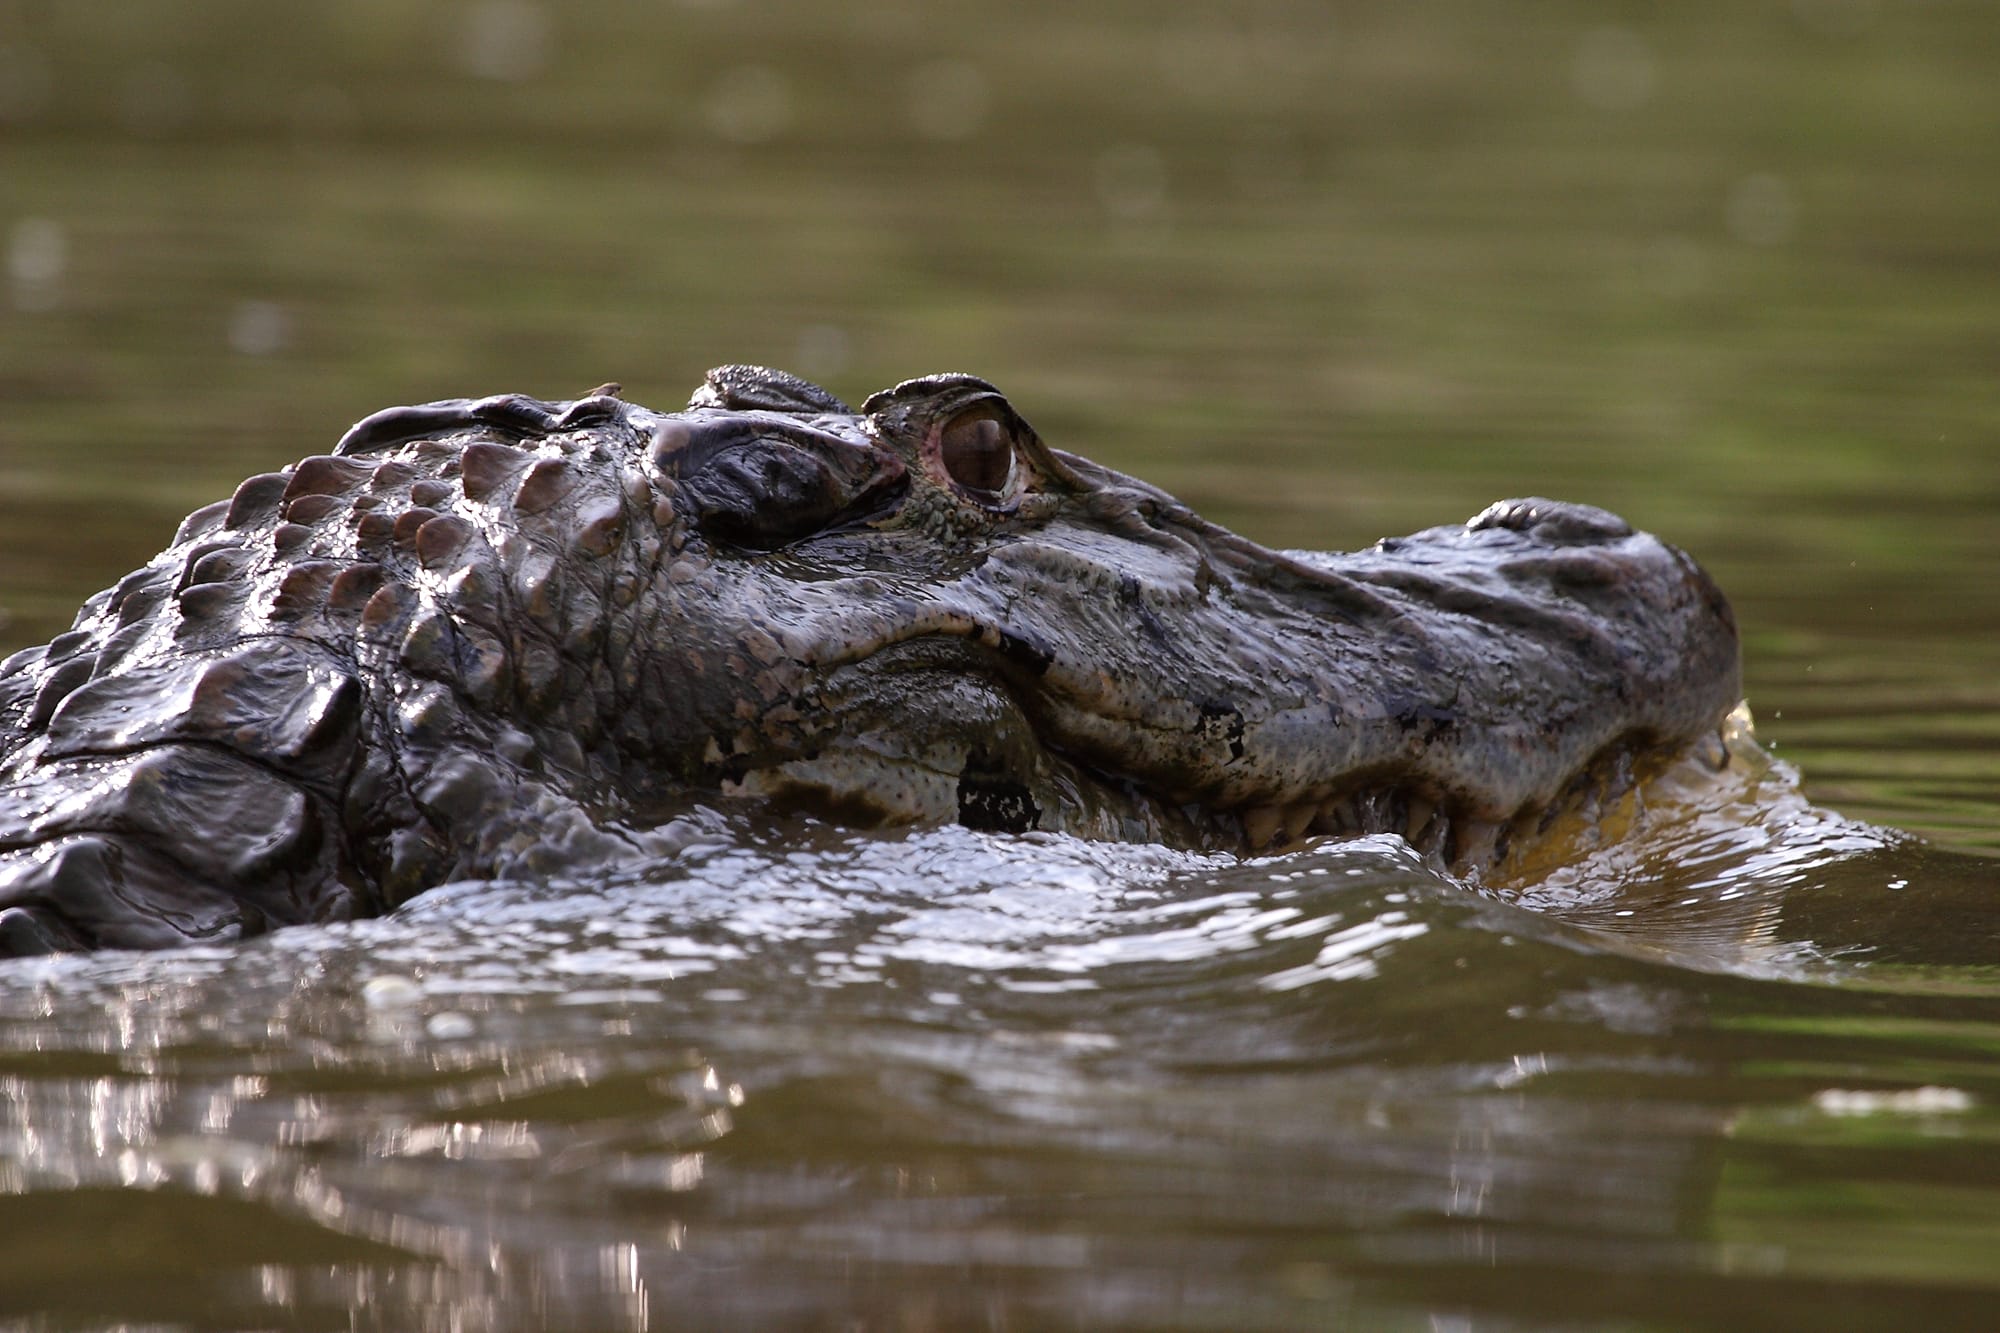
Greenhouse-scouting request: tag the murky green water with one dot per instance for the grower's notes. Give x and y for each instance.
(1329, 273)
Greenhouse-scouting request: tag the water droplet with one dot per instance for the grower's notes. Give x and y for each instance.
(390, 992)
(450, 1025)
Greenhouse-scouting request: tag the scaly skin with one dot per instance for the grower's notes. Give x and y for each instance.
(508, 637)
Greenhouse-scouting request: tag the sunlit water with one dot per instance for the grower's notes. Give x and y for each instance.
(807, 1074)
(1327, 272)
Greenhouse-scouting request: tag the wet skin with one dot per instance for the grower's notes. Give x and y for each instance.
(506, 637)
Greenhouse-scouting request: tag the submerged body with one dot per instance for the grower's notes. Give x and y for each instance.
(508, 637)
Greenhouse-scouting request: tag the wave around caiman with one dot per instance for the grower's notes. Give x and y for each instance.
(506, 637)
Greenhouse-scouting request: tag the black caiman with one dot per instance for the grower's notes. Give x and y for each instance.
(506, 637)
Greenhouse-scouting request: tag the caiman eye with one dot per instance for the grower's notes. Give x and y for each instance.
(977, 450)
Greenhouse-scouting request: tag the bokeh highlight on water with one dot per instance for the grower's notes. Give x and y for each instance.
(1330, 273)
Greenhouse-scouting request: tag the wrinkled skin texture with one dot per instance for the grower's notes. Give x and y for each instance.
(508, 637)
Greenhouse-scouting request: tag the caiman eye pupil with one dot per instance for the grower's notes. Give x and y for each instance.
(978, 452)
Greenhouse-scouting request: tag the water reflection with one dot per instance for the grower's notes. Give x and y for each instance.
(821, 1064)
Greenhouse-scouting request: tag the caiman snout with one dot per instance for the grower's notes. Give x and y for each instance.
(1451, 685)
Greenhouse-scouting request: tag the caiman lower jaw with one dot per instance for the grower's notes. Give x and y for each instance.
(1599, 804)
(877, 786)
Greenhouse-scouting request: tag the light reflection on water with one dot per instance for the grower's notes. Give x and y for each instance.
(805, 1051)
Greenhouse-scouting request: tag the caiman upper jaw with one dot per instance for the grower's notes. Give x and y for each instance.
(1468, 677)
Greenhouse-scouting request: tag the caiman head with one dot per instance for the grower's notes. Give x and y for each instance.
(921, 612)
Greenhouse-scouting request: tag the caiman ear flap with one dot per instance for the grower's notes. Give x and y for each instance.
(759, 388)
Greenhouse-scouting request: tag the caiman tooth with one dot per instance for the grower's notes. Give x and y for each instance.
(485, 469)
(1260, 826)
(1473, 844)
(1299, 818)
(1418, 814)
(1337, 815)
(1433, 836)
(256, 499)
(1588, 808)
(1370, 812)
